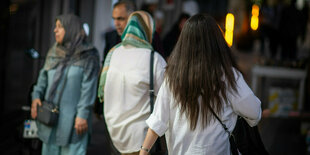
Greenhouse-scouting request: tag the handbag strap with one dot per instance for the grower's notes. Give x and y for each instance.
(151, 81)
(62, 88)
(223, 125)
(232, 141)
(157, 144)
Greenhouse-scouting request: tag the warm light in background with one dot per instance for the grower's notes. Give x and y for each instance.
(13, 8)
(254, 22)
(254, 18)
(229, 29)
(255, 10)
(229, 26)
(229, 38)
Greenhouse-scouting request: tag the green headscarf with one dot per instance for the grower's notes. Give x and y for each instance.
(138, 33)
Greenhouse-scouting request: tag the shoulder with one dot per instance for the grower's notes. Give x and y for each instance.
(243, 88)
(112, 38)
(159, 58)
(93, 55)
(90, 57)
(237, 73)
(111, 33)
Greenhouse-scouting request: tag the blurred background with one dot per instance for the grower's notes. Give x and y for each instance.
(269, 38)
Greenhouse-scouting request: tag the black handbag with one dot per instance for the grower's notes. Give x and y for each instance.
(247, 139)
(48, 112)
(244, 138)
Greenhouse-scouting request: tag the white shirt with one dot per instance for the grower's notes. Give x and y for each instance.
(166, 119)
(126, 95)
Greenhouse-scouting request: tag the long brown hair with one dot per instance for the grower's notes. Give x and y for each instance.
(201, 65)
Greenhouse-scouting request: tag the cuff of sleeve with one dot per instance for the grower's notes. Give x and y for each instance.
(156, 125)
(83, 114)
(255, 122)
(35, 96)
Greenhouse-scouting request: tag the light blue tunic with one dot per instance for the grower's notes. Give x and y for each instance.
(76, 100)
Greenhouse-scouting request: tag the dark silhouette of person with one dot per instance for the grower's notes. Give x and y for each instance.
(269, 26)
(172, 36)
(291, 27)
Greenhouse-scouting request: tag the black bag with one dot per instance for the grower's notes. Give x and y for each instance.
(47, 113)
(244, 139)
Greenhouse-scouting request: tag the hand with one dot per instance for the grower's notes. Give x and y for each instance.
(266, 113)
(34, 104)
(80, 125)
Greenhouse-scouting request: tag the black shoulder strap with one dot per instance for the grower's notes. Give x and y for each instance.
(52, 92)
(63, 85)
(223, 125)
(151, 81)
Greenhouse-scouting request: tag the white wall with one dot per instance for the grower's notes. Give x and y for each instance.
(102, 22)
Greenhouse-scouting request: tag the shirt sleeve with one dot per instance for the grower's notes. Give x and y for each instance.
(40, 87)
(245, 103)
(158, 120)
(88, 88)
(159, 69)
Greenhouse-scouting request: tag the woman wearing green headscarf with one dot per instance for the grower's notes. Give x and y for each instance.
(68, 80)
(124, 83)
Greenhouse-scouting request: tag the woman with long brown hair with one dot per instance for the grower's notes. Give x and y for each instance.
(201, 74)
